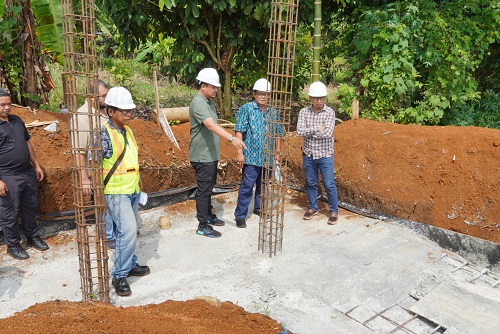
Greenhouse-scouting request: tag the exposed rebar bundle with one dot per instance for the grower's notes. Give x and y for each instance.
(282, 40)
(80, 84)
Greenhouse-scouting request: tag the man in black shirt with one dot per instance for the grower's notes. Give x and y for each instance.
(19, 172)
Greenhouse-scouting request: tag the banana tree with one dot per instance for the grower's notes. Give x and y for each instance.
(28, 31)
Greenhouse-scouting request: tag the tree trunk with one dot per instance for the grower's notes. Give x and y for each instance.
(28, 54)
(227, 97)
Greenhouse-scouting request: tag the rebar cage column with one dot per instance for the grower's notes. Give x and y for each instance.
(80, 74)
(282, 40)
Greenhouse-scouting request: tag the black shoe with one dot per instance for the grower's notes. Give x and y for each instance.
(240, 222)
(17, 252)
(215, 221)
(256, 212)
(208, 231)
(139, 270)
(121, 286)
(111, 244)
(38, 243)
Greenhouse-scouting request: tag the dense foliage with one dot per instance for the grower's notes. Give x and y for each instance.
(226, 34)
(424, 61)
(411, 62)
(10, 66)
(29, 30)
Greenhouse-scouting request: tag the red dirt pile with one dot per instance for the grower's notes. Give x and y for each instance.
(443, 176)
(172, 317)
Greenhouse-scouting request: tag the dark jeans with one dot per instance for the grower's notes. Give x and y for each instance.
(252, 175)
(21, 197)
(206, 175)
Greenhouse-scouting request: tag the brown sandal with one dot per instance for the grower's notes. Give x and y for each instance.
(333, 218)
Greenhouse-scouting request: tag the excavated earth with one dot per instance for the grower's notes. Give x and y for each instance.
(443, 176)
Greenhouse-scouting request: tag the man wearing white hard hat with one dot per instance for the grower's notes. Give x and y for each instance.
(83, 140)
(121, 180)
(316, 123)
(204, 148)
(252, 122)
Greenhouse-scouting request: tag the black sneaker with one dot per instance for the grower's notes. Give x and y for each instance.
(208, 231)
(38, 243)
(215, 221)
(121, 286)
(240, 222)
(18, 252)
(256, 212)
(139, 270)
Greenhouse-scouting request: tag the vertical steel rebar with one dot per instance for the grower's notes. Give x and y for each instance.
(80, 74)
(282, 40)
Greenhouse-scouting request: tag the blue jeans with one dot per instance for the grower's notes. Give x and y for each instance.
(110, 227)
(325, 166)
(251, 176)
(123, 210)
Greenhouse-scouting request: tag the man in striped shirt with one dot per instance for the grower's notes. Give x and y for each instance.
(315, 124)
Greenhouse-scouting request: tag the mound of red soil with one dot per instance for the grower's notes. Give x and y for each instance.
(443, 176)
(162, 165)
(173, 317)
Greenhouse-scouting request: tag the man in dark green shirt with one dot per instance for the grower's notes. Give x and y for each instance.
(204, 148)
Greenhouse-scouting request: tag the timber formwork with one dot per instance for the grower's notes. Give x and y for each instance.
(282, 40)
(80, 84)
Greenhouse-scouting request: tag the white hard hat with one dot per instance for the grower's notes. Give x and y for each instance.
(120, 98)
(317, 89)
(262, 85)
(209, 76)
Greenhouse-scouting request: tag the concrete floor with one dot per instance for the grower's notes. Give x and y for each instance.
(359, 276)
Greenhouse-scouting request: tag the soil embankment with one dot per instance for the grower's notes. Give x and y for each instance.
(443, 176)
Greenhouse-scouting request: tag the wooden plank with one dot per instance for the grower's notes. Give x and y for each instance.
(166, 128)
(157, 97)
(355, 109)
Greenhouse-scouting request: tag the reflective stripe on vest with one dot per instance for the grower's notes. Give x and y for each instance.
(125, 179)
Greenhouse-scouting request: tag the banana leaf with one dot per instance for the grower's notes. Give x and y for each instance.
(49, 26)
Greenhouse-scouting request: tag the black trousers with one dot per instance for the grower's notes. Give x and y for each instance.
(206, 176)
(22, 197)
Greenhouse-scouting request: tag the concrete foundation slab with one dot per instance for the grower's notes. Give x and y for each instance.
(460, 310)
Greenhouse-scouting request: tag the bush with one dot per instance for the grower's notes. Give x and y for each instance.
(345, 94)
(412, 61)
(482, 112)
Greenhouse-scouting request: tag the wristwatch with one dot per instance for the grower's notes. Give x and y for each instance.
(231, 138)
